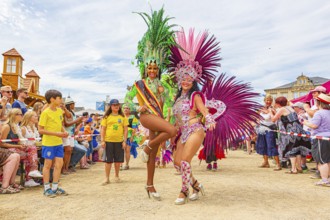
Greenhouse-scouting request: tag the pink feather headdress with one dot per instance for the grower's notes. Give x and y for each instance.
(197, 57)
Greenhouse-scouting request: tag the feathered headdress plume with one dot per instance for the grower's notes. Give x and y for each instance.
(196, 56)
(155, 43)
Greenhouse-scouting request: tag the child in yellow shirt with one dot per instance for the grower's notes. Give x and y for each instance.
(51, 127)
(113, 138)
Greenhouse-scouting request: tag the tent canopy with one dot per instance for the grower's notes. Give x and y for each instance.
(308, 97)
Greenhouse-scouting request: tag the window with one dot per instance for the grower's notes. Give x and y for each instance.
(11, 65)
(303, 93)
(285, 94)
(295, 95)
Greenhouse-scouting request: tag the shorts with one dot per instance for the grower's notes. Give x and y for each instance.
(51, 152)
(114, 152)
(69, 141)
(321, 151)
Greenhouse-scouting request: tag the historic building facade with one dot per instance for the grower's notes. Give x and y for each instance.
(12, 76)
(298, 88)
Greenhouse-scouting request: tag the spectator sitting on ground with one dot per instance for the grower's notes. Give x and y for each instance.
(9, 163)
(11, 130)
(29, 130)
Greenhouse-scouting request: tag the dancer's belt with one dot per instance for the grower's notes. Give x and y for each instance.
(148, 97)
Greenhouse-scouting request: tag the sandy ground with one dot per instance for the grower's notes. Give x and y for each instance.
(239, 190)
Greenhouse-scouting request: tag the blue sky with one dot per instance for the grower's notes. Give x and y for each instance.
(85, 48)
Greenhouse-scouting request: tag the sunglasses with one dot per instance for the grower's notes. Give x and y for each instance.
(26, 92)
(8, 91)
(20, 114)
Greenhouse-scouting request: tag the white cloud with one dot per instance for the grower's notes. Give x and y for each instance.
(86, 49)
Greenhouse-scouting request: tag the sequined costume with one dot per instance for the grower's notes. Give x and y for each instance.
(181, 111)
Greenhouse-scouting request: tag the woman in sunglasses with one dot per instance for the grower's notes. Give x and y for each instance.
(7, 94)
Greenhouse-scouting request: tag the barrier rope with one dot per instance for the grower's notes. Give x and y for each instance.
(303, 135)
(39, 139)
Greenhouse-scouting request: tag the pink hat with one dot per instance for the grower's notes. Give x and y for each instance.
(319, 89)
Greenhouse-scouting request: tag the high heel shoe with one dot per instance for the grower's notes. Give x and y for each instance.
(184, 200)
(197, 189)
(154, 195)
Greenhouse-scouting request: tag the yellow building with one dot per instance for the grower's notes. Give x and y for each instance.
(12, 76)
(298, 88)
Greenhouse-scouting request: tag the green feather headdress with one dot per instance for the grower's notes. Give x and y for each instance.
(155, 43)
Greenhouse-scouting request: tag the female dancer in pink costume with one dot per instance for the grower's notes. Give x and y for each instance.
(193, 62)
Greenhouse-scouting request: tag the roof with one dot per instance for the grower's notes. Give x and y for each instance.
(315, 80)
(12, 52)
(32, 73)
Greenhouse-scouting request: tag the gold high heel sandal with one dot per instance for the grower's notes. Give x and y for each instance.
(154, 195)
(197, 189)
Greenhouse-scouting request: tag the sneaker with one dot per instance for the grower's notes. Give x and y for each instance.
(315, 176)
(49, 193)
(60, 192)
(304, 169)
(35, 174)
(215, 166)
(323, 183)
(31, 183)
(209, 167)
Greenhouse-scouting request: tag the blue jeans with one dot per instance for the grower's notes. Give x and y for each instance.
(77, 154)
(90, 149)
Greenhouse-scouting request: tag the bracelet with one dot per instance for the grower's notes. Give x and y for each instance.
(209, 120)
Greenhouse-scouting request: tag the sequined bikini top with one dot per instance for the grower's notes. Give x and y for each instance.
(181, 109)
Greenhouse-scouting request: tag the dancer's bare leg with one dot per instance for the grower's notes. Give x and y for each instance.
(163, 128)
(178, 154)
(151, 164)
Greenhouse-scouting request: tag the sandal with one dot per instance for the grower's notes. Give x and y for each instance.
(291, 172)
(84, 167)
(278, 168)
(264, 166)
(9, 190)
(16, 186)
